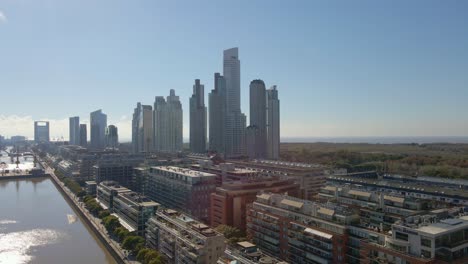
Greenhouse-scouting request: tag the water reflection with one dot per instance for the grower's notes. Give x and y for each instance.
(38, 226)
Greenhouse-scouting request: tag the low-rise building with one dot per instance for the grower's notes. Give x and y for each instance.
(300, 231)
(421, 239)
(106, 192)
(311, 177)
(181, 239)
(134, 210)
(229, 202)
(91, 188)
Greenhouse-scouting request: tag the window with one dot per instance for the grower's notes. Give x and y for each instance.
(401, 236)
(426, 242)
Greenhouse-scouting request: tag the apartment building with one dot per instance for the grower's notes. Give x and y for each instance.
(311, 177)
(181, 239)
(229, 202)
(300, 231)
(182, 189)
(134, 210)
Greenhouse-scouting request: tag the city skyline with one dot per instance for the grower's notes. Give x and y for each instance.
(401, 71)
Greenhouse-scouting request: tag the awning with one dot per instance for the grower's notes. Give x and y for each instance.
(318, 233)
(292, 203)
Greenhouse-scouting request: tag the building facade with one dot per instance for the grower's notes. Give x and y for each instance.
(74, 129)
(258, 116)
(273, 124)
(181, 239)
(142, 129)
(168, 126)
(229, 202)
(235, 119)
(41, 131)
(198, 125)
(300, 231)
(83, 135)
(112, 137)
(98, 129)
(182, 189)
(217, 115)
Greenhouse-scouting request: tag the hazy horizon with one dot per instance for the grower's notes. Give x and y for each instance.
(373, 69)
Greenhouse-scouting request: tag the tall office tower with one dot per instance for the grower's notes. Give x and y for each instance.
(168, 123)
(142, 128)
(135, 120)
(273, 124)
(198, 119)
(112, 136)
(41, 131)
(258, 116)
(98, 129)
(74, 129)
(235, 119)
(83, 135)
(217, 114)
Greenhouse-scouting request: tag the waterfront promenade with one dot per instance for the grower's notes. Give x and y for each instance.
(119, 254)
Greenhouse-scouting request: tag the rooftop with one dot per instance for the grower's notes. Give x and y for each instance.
(184, 171)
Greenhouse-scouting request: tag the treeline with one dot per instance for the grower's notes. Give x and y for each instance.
(429, 160)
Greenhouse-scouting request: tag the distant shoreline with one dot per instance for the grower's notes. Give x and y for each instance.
(378, 140)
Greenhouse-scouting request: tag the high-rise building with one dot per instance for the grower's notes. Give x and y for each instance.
(142, 129)
(252, 142)
(98, 129)
(168, 123)
(217, 114)
(273, 124)
(74, 127)
(83, 135)
(258, 116)
(235, 119)
(112, 136)
(41, 131)
(198, 118)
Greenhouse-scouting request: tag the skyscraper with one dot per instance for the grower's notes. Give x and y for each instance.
(83, 135)
(217, 114)
(198, 119)
(168, 123)
(41, 131)
(74, 129)
(258, 116)
(98, 129)
(273, 123)
(235, 119)
(142, 130)
(112, 136)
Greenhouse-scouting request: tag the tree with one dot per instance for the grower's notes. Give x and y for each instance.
(111, 222)
(230, 231)
(103, 214)
(133, 242)
(141, 254)
(121, 232)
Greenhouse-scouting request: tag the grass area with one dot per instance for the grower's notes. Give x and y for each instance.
(442, 160)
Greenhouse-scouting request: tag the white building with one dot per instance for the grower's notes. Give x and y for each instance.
(181, 239)
(167, 123)
(235, 119)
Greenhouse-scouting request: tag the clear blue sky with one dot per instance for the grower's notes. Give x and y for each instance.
(343, 68)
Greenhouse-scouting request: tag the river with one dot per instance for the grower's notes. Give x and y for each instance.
(37, 225)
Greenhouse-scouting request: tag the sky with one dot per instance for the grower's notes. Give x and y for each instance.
(343, 68)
